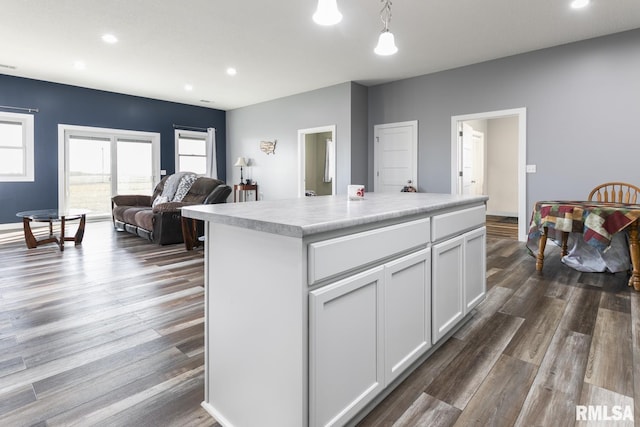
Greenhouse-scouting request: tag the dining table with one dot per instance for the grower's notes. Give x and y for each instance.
(595, 222)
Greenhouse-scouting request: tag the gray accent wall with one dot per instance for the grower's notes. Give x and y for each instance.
(280, 119)
(582, 101)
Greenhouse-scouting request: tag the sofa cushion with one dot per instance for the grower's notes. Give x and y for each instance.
(129, 214)
(200, 190)
(144, 219)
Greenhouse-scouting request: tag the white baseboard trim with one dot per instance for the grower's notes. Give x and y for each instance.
(215, 414)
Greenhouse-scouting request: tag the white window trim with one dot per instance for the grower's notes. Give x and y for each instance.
(198, 134)
(28, 144)
(63, 129)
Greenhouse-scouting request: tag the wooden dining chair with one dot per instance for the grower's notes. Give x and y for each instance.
(615, 192)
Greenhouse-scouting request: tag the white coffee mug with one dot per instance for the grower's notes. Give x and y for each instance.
(355, 192)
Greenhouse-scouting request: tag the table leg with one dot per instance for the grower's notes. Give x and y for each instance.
(542, 243)
(61, 243)
(565, 238)
(634, 249)
(28, 234)
(80, 233)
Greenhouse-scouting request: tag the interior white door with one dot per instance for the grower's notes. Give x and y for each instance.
(472, 161)
(395, 156)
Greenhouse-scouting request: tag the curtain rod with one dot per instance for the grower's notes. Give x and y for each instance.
(30, 110)
(175, 126)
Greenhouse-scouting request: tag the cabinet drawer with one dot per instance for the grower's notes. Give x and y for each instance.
(334, 256)
(453, 223)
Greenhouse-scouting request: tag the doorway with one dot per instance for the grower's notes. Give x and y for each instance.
(317, 161)
(495, 167)
(95, 164)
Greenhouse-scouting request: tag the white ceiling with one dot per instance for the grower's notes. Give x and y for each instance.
(275, 46)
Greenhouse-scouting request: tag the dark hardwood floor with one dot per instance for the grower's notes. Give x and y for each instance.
(111, 333)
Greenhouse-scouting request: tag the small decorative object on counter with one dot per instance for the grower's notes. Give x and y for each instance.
(409, 188)
(355, 192)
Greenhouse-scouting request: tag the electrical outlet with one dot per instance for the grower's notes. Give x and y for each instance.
(531, 168)
(163, 172)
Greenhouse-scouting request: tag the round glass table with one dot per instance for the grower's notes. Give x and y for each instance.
(51, 216)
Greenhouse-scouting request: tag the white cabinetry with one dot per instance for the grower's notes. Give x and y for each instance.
(365, 330)
(407, 312)
(345, 370)
(447, 284)
(459, 279)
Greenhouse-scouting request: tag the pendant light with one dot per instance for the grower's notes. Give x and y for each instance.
(386, 42)
(327, 13)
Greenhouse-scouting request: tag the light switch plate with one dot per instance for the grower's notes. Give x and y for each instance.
(531, 168)
(163, 172)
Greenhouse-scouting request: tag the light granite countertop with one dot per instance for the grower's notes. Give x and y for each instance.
(306, 216)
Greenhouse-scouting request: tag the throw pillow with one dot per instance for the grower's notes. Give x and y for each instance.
(183, 188)
(159, 199)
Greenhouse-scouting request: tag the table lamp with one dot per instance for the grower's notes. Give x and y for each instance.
(242, 162)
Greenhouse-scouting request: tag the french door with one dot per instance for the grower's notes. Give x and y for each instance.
(100, 163)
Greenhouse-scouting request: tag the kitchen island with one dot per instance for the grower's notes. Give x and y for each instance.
(315, 308)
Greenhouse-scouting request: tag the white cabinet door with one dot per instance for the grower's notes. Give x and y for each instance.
(345, 347)
(475, 268)
(407, 311)
(447, 286)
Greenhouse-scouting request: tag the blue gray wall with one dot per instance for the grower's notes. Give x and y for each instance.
(86, 107)
(582, 101)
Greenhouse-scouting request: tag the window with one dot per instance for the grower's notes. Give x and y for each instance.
(100, 163)
(16, 147)
(191, 152)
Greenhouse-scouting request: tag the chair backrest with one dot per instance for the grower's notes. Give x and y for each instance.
(615, 192)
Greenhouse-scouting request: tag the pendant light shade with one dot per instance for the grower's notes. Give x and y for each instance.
(327, 13)
(386, 44)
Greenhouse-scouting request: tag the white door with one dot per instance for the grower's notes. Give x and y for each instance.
(472, 161)
(395, 156)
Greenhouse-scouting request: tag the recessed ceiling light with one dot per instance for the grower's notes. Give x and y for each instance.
(79, 65)
(109, 38)
(232, 71)
(188, 87)
(579, 4)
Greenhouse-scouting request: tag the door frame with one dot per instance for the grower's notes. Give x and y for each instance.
(302, 133)
(414, 150)
(521, 113)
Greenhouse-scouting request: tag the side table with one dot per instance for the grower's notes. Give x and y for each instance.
(240, 192)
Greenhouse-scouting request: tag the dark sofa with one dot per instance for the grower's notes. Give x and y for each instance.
(162, 223)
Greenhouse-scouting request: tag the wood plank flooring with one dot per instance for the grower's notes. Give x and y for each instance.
(111, 333)
(106, 333)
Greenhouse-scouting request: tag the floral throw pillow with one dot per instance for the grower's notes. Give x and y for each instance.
(183, 188)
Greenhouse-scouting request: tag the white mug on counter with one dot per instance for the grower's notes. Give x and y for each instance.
(355, 192)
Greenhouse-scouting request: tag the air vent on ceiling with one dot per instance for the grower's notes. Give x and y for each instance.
(11, 67)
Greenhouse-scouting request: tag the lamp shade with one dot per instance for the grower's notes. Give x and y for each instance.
(386, 44)
(241, 162)
(327, 13)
